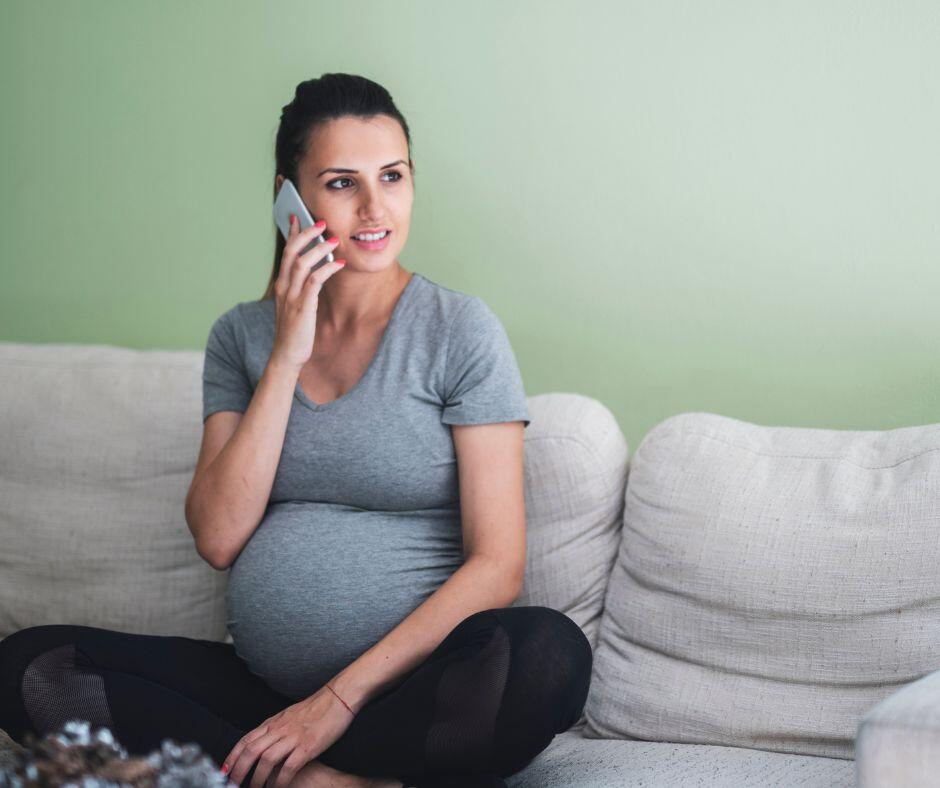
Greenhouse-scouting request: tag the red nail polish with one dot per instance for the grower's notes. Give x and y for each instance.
(224, 769)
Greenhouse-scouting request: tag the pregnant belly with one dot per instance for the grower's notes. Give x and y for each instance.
(318, 584)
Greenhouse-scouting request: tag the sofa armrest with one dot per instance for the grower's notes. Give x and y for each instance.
(898, 740)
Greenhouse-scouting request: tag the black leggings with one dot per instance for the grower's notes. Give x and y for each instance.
(487, 700)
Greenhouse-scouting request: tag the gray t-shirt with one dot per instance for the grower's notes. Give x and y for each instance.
(363, 521)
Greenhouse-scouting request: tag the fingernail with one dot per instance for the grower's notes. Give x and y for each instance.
(321, 223)
(224, 769)
(333, 240)
(341, 261)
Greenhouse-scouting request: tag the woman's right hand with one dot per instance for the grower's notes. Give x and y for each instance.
(296, 293)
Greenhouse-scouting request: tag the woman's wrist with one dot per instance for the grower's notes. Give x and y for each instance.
(336, 695)
(280, 368)
(347, 687)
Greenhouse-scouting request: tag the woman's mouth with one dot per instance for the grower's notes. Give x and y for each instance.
(373, 246)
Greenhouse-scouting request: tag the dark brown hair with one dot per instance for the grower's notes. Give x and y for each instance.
(328, 97)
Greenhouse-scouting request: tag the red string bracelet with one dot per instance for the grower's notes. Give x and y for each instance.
(340, 699)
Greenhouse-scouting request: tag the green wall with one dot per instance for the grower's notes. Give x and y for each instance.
(725, 206)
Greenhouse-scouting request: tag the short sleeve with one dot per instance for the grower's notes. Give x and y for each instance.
(482, 382)
(225, 384)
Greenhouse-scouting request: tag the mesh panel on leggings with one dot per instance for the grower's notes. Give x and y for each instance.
(467, 702)
(56, 690)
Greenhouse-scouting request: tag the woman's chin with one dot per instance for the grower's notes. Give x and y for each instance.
(369, 262)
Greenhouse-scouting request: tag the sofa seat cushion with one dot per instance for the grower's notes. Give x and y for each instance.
(571, 761)
(772, 584)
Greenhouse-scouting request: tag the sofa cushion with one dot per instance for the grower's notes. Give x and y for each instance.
(772, 584)
(575, 476)
(99, 444)
(571, 761)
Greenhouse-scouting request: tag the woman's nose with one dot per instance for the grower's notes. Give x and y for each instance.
(370, 203)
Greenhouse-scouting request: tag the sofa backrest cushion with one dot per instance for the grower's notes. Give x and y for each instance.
(575, 475)
(772, 584)
(97, 449)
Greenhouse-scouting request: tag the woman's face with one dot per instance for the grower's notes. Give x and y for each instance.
(368, 195)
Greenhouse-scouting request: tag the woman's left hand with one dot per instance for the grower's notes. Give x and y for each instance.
(299, 733)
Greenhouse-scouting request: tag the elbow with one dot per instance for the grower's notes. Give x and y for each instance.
(212, 557)
(502, 579)
(518, 577)
(513, 580)
(220, 566)
(217, 558)
(205, 552)
(514, 585)
(217, 562)
(515, 592)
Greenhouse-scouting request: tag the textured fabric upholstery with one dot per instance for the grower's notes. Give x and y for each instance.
(97, 450)
(898, 741)
(575, 475)
(571, 761)
(772, 584)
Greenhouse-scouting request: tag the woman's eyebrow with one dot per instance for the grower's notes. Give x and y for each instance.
(341, 169)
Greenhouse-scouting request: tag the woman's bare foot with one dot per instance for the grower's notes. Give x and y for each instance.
(318, 775)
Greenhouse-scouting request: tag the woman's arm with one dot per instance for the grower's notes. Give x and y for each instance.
(235, 472)
(492, 509)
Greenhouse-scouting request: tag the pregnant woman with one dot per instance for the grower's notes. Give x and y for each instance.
(361, 479)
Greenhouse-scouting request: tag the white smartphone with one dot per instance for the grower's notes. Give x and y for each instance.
(289, 202)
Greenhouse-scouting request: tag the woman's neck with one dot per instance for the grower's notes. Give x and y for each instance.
(353, 298)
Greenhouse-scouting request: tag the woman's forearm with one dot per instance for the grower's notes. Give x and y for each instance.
(480, 583)
(227, 504)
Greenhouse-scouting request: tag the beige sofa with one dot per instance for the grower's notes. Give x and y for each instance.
(764, 602)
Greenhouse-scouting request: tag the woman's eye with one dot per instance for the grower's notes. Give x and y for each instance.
(340, 188)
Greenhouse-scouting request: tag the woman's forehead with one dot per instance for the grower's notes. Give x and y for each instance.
(349, 141)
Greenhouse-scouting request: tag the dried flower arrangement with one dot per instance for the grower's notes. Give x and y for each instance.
(73, 757)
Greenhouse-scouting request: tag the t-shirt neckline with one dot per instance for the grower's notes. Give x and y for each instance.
(301, 396)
